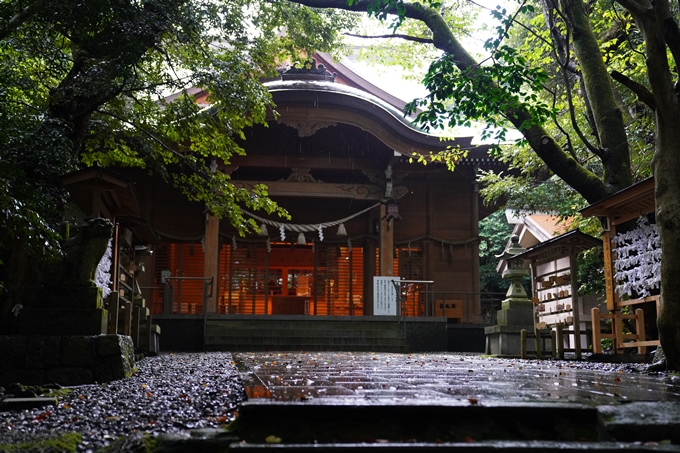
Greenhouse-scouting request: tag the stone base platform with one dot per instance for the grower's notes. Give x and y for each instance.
(66, 359)
(504, 341)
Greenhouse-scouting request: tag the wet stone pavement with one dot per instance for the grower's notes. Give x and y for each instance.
(444, 378)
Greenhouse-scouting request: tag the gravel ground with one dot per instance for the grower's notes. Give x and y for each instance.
(169, 393)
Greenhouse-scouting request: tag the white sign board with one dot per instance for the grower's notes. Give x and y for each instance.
(385, 296)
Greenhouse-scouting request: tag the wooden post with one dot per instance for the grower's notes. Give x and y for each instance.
(553, 344)
(113, 306)
(608, 266)
(640, 329)
(148, 340)
(534, 306)
(523, 344)
(476, 299)
(136, 322)
(617, 330)
(211, 258)
(560, 342)
(575, 305)
(127, 318)
(266, 281)
(597, 334)
(386, 244)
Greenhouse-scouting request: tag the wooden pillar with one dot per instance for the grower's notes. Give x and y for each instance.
(474, 262)
(597, 334)
(386, 243)
(575, 305)
(369, 273)
(211, 258)
(608, 266)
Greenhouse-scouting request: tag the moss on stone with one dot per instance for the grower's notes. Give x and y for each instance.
(64, 443)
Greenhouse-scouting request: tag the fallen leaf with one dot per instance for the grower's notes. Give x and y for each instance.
(42, 416)
(469, 439)
(472, 400)
(272, 439)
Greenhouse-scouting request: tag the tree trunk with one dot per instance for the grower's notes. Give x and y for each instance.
(608, 118)
(651, 19)
(666, 171)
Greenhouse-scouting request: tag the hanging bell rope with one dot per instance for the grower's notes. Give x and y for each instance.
(304, 228)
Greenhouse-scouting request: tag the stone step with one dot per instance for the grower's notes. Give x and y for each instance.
(301, 340)
(495, 427)
(510, 426)
(219, 440)
(227, 347)
(296, 335)
(219, 331)
(312, 321)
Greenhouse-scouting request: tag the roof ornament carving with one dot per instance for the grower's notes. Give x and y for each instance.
(306, 72)
(306, 128)
(301, 175)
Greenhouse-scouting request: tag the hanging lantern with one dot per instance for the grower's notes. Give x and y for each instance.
(392, 210)
(263, 230)
(301, 240)
(341, 230)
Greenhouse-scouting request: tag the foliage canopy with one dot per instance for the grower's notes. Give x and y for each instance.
(89, 83)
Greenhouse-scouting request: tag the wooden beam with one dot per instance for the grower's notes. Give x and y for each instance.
(321, 189)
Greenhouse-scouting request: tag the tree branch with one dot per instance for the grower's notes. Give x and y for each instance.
(572, 115)
(557, 159)
(671, 33)
(635, 8)
(180, 156)
(21, 17)
(644, 95)
(395, 35)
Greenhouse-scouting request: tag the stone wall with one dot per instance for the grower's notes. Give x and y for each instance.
(66, 359)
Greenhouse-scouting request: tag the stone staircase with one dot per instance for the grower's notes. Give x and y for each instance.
(287, 334)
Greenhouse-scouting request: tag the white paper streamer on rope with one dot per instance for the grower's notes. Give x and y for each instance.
(102, 278)
(305, 228)
(638, 260)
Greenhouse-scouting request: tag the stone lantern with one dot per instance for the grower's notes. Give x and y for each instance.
(516, 313)
(515, 271)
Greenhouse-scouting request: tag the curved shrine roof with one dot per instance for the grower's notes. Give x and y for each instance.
(309, 105)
